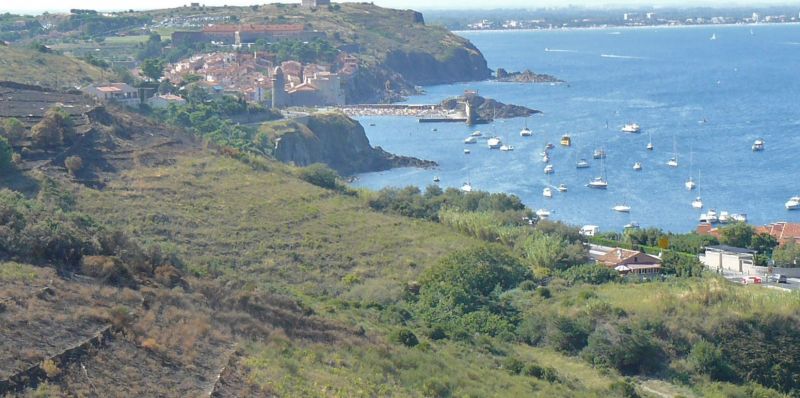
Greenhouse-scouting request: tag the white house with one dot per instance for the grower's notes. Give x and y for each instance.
(122, 93)
(729, 258)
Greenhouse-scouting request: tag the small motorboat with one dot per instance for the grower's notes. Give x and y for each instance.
(724, 217)
(506, 148)
(758, 145)
(545, 158)
(549, 146)
(631, 128)
(475, 134)
(549, 169)
(494, 143)
(467, 151)
(637, 166)
(793, 203)
(543, 213)
(582, 164)
(525, 132)
(470, 140)
(622, 208)
(650, 146)
(547, 192)
(562, 188)
(697, 203)
(739, 217)
(599, 154)
(436, 179)
(710, 217)
(690, 184)
(566, 140)
(631, 225)
(434, 130)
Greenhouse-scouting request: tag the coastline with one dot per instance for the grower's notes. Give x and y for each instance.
(626, 27)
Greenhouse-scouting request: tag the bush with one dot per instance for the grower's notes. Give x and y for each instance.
(13, 130)
(568, 335)
(405, 337)
(589, 273)
(319, 175)
(546, 373)
(108, 269)
(461, 294)
(628, 348)
(706, 358)
(6, 153)
(73, 164)
(54, 129)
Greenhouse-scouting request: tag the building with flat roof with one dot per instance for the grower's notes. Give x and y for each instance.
(315, 3)
(728, 258)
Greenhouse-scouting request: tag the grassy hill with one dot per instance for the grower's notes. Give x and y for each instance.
(28, 66)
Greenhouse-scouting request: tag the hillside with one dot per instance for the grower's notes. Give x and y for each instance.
(28, 66)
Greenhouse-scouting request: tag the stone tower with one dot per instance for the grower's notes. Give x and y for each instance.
(278, 89)
(315, 3)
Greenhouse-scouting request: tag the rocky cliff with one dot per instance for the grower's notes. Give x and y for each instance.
(335, 140)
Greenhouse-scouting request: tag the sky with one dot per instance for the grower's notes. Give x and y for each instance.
(36, 6)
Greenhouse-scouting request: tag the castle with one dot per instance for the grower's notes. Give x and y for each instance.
(320, 89)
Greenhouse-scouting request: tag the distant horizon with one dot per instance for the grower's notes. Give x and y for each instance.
(36, 7)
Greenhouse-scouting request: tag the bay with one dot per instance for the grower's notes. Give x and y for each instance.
(745, 85)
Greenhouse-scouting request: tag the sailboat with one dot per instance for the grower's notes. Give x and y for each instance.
(494, 142)
(525, 132)
(690, 184)
(697, 203)
(547, 192)
(673, 162)
(599, 182)
(650, 142)
(713, 37)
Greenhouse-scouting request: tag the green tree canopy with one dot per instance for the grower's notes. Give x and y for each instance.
(153, 68)
(737, 235)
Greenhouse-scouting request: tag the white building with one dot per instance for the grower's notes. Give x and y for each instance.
(163, 101)
(729, 258)
(122, 93)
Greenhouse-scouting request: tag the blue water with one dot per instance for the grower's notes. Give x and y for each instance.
(744, 85)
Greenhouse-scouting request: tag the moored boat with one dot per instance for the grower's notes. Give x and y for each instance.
(631, 128)
(793, 203)
(566, 140)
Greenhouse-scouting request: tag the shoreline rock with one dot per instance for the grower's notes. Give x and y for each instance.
(526, 76)
(488, 109)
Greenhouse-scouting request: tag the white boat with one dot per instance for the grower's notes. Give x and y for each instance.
(436, 179)
(758, 145)
(724, 217)
(467, 151)
(562, 188)
(467, 187)
(475, 134)
(506, 148)
(637, 166)
(739, 217)
(494, 143)
(549, 146)
(650, 142)
(713, 37)
(470, 140)
(631, 225)
(599, 154)
(711, 216)
(697, 203)
(622, 208)
(545, 158)
(547, 192)
(549, 169)
(525, 132)
(598, 183)
(582, 164)
(673, 162)
(793, 203)
(631, 128)
(543, 213)
(689, 184)
(649, 146)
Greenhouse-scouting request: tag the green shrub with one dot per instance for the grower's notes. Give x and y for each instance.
(513, 365)
(405, 337)
(568, 335)
(5, 153)
(589, 273)
(319, 175)
(543, 292)
(13, 130)
(631, 349)
(73, 164)
(705, 358)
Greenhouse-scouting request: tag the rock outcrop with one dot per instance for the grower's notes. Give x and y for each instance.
(335, 140)
(488, 109)
(526, 76)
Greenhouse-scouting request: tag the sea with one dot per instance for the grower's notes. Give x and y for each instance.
(703, 94)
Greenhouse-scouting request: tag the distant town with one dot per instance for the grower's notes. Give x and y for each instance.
(591, 18)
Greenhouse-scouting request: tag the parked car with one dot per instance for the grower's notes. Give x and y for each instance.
(751, 279)
(778, 278)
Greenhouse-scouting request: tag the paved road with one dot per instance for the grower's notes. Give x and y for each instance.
(792, 283)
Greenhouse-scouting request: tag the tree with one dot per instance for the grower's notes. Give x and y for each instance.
(544, 250)
(763, 243)
(673, 263)
(153, 68)
(5, 153)
(73, 164)
(787, 255)
(54, 128)
(737, 235)
(13, 129)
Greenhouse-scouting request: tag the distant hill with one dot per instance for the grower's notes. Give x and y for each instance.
(51, 70)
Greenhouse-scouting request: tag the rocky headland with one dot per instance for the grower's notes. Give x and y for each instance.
(526, 76)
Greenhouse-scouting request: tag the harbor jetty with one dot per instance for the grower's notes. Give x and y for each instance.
(426, 113)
